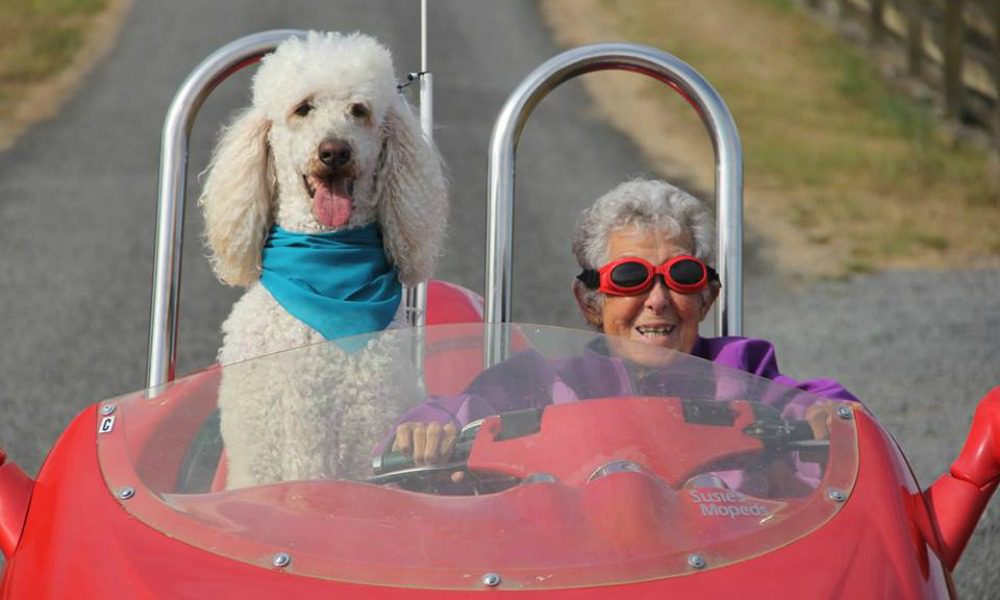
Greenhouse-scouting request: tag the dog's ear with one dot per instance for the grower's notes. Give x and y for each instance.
(236, 199)
(411, 193)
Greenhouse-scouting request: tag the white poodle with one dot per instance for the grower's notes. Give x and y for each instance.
(328, 145)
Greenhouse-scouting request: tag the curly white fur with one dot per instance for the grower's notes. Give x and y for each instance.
(326, 89)
(314, 412)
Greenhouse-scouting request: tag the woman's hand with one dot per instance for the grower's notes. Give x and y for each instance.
(426, 443)
(819, 416)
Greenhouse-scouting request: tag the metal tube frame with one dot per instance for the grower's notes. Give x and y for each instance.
(648, 61)
(415, 298)
(162, 355)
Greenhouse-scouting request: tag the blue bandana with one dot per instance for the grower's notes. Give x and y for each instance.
(338, 283)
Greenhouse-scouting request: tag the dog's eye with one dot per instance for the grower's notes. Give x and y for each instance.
(359, 111)
(303, 109)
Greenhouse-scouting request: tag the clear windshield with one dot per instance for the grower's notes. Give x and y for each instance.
(582, 460)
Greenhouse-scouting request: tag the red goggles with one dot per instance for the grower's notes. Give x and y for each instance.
(633, 275)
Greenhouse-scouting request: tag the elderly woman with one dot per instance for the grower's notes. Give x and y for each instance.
(646, 250)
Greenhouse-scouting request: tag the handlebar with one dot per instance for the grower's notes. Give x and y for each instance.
(392, 461)
(776, 435)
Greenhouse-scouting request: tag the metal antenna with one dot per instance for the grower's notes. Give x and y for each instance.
(423, 35)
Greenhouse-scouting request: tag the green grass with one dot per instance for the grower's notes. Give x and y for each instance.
(50, 8)
(40, 38)
(887, 112)
(781, 5)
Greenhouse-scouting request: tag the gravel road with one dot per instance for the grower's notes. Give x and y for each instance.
(77, 202)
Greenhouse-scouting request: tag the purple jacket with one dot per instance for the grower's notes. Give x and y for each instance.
(528, 380)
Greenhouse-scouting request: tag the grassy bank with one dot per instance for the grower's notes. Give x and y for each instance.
(42, 40)
(842, 174)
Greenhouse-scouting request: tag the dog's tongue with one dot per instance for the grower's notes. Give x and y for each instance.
(332, 205)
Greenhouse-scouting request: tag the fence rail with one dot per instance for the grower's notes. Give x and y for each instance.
(951, 45)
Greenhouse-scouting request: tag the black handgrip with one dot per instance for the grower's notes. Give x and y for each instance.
(779, 431)
(394, 460)
(391, 460)
(800, 431)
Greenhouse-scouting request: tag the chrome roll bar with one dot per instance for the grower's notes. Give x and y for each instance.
(651, 62)
(162, 358)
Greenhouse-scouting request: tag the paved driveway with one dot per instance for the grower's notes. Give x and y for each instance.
(76, 207)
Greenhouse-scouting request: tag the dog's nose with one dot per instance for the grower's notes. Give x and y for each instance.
(334, 153)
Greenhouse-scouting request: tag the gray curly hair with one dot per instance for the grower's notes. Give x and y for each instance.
(648, 205)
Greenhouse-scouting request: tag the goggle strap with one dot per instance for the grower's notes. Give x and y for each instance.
(590, 278)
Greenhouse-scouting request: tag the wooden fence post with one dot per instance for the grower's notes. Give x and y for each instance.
(843, 7)
(915, 36)
(876, 24)
(953, 59)
(996, 79)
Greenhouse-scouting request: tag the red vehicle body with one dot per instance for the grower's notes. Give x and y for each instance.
(622, 510)
(79, 531)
